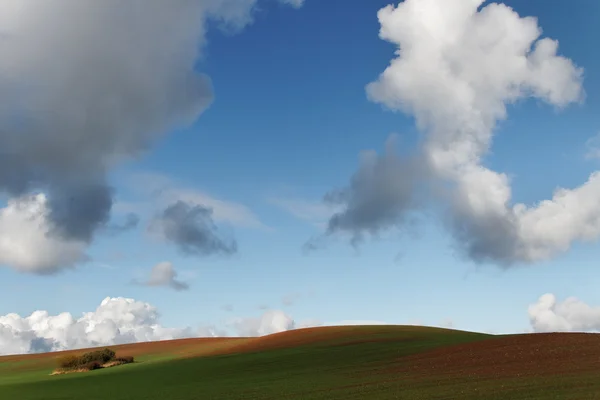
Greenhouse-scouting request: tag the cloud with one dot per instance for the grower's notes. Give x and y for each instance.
(165, 191)
(550, 315)
(116, 321)
(192, 229)
(25, 242)
(379, 196)
(164, 274)
(293, 3)
(593, 147)
(125, 75)
(456, 69)
(271, 321)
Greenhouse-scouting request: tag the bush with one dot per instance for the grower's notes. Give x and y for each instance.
(125, 359)
(102, 356)
(90, 366)
(69, 361)
(87, 360)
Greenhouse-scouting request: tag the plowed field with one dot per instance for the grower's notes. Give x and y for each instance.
(358, 362)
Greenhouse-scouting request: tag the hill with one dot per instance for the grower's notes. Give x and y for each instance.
(372, 362)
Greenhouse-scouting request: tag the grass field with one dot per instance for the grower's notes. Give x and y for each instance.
(375, 362)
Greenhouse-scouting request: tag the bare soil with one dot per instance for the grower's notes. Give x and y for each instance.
(526, 355)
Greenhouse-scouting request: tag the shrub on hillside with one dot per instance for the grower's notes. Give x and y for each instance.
(102, 356)
(69, 361)
(92, 365)
(125, 359)
(87, 360)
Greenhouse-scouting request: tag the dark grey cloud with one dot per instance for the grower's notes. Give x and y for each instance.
(191, 228)
(379, 196)
(86, 85)
(484, 239)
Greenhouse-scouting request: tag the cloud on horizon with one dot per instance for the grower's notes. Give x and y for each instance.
(119, 320)
(116, 321)
(548, 314)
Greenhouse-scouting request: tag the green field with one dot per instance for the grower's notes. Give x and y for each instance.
(383, 362)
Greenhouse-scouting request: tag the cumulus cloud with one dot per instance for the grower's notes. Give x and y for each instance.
(86, 85)
(550, 315)
(164, 274)
(121, 320)
(25, 241)
(115, 321)
(456, 69)
(271, 321)
(191, 228)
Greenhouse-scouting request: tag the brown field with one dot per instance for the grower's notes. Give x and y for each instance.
(375, 362)
(525, 355)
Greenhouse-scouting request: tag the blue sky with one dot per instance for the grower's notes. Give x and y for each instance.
(289, 118)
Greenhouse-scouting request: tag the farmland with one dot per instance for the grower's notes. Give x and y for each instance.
(373, 362)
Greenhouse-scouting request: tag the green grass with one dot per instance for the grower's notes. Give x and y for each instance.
(339, 368)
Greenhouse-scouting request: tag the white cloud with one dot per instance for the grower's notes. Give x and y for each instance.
(25, 242)
(271, 321)
(116, 321)
(164, 274)
(456, 69)
(593, 147)
(550, 315)
(293, 3)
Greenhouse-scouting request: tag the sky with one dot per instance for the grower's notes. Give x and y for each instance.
(246, 167)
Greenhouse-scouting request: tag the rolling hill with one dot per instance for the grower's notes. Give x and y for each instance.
(357, 362)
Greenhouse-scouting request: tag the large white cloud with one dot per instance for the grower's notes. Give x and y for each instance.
(121, 320)
(551, 315)
(457, 68)
(25, 242)
(116, 321)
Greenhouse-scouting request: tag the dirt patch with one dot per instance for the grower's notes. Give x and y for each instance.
(526, 355)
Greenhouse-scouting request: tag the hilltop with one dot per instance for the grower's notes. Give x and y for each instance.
(375, 362)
